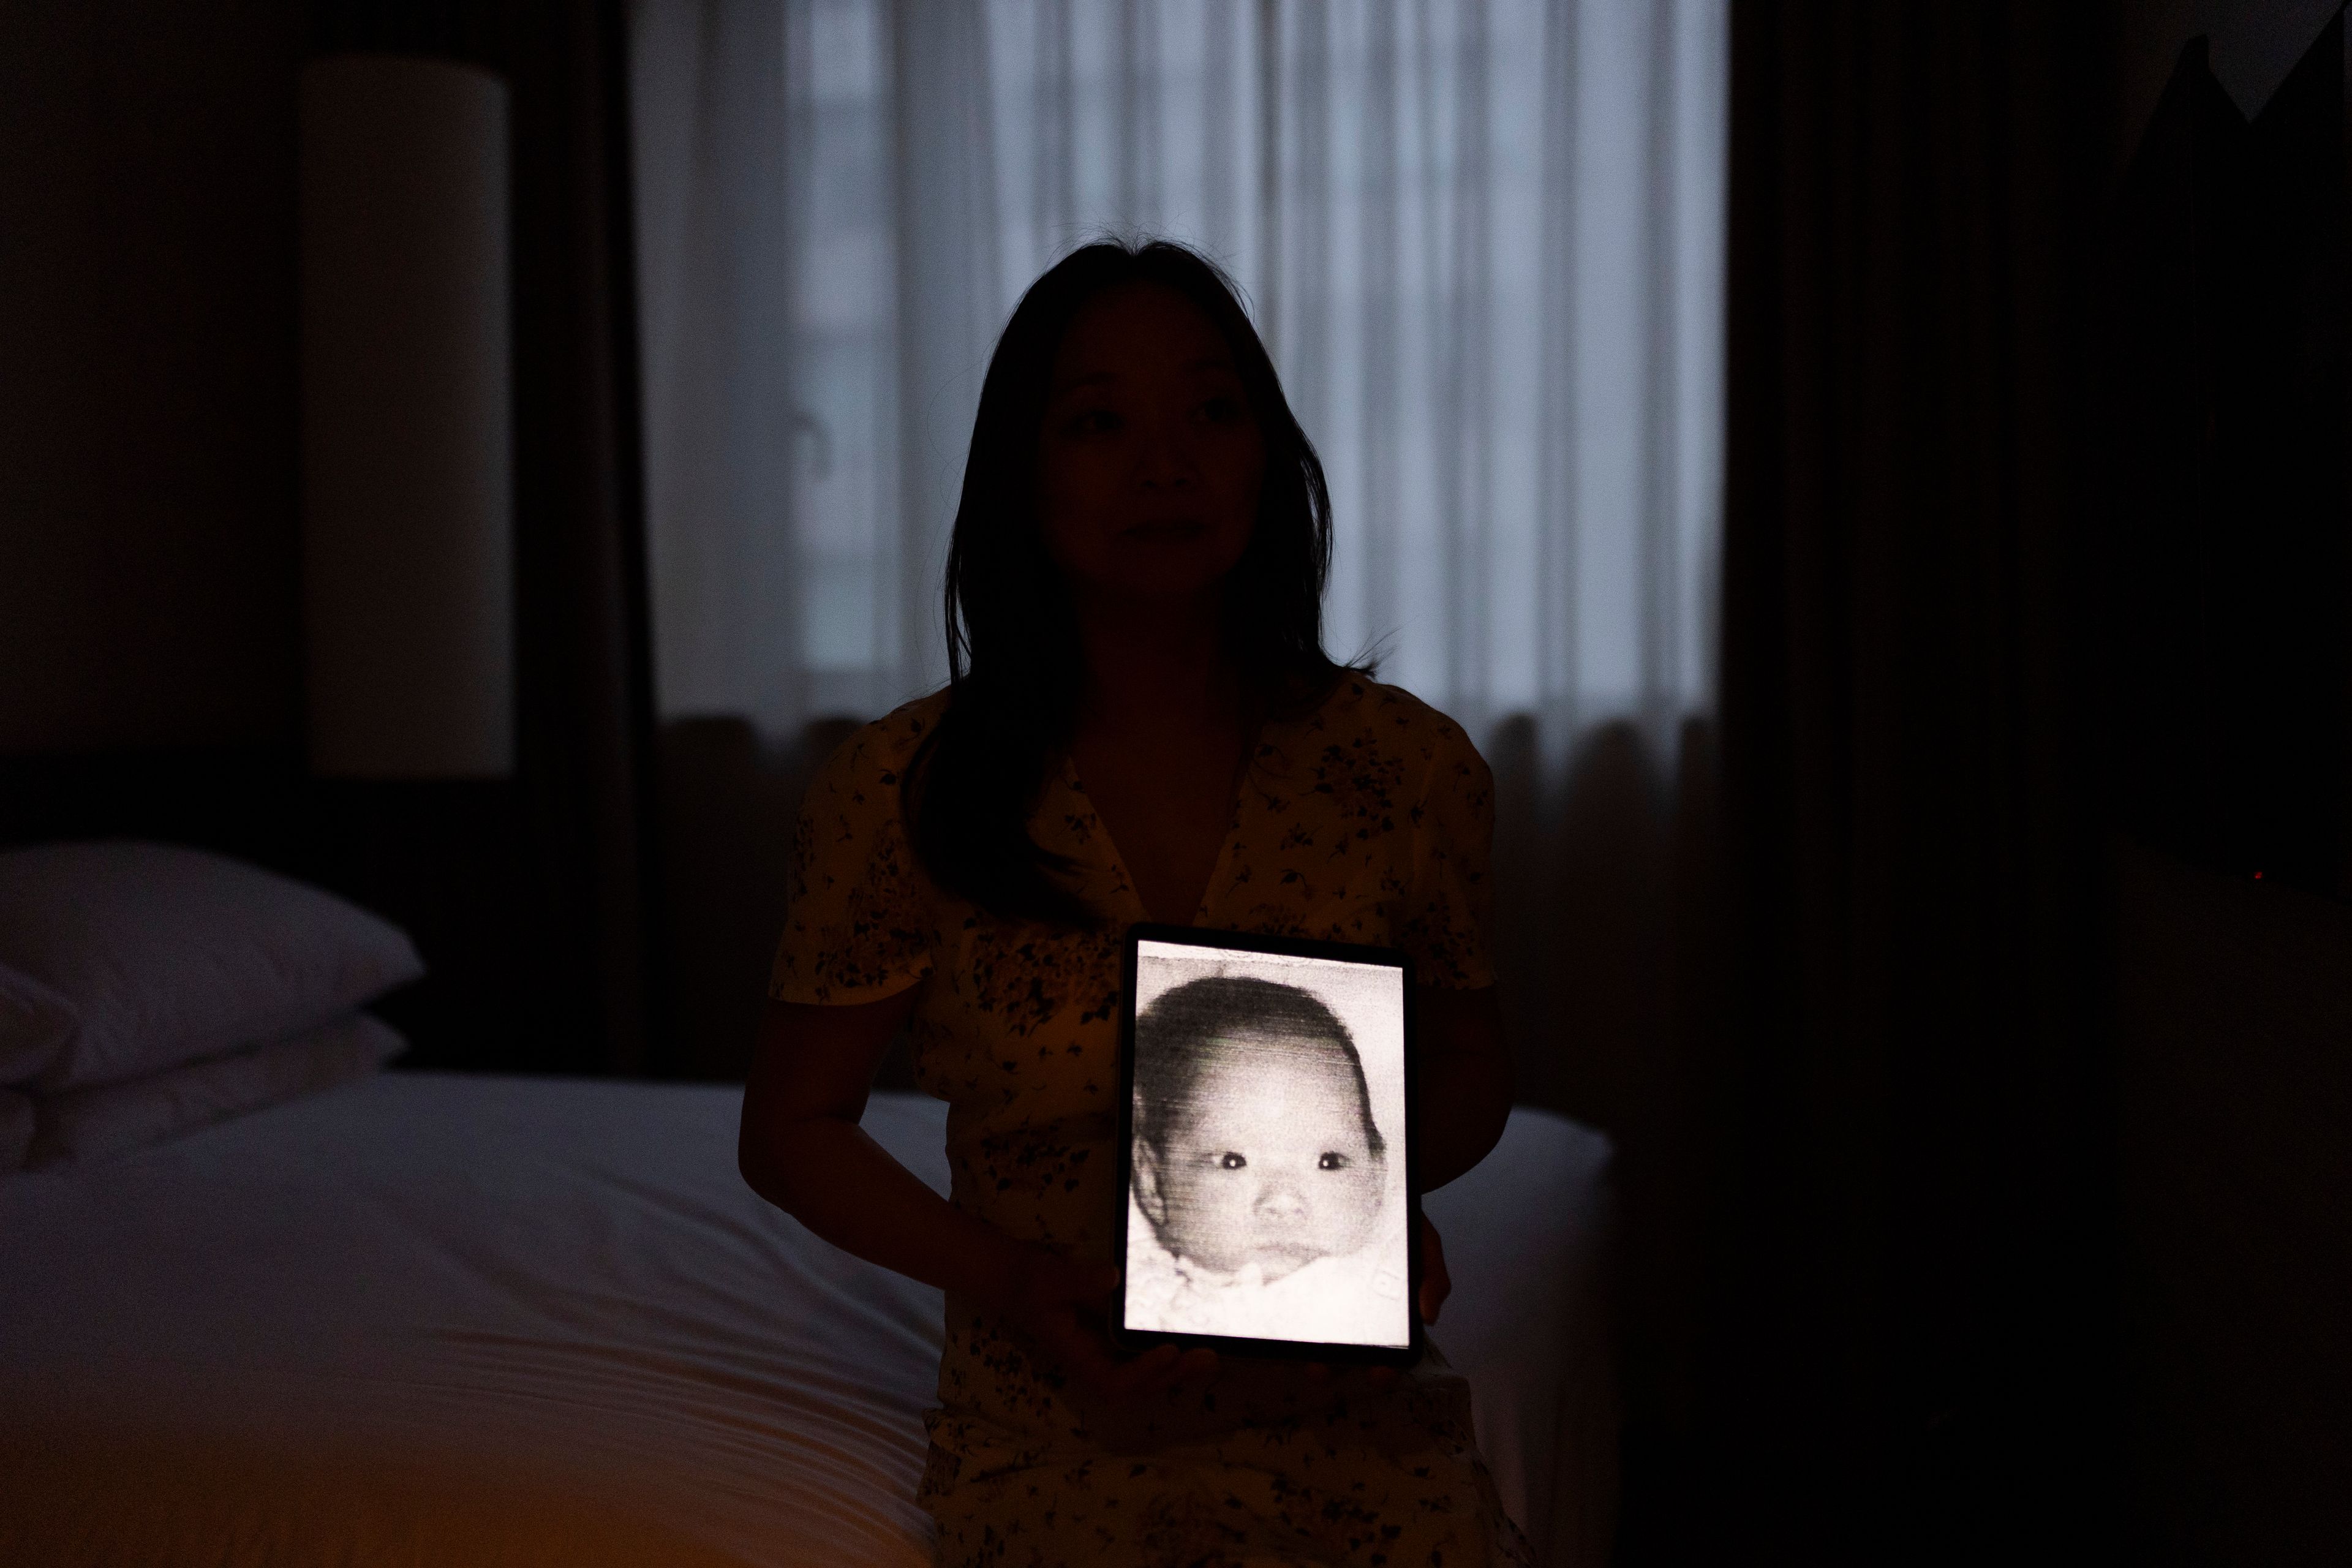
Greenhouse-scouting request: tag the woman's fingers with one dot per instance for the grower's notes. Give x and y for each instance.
(1147, 1373)
(1065, 1299)
(1436, 1284)
(1157, 1371)
(1088, 1284)
(1197, 1366)
(1080, 1350)
(1154, 1371)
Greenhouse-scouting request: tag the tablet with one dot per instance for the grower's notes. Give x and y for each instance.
(1266, 1147)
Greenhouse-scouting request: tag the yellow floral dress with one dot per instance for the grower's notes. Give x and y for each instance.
(1369, 820)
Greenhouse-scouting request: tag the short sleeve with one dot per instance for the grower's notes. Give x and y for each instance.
(863, 918)
(1449, 912)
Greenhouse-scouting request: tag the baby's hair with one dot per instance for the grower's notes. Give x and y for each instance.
(1172, 1033)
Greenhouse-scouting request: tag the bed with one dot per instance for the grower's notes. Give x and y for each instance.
(446, 1318)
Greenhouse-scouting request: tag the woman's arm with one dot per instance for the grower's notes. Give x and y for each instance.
(1462, 1081)
(801, 1148)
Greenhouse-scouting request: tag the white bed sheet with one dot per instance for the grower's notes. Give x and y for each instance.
(456, 1319)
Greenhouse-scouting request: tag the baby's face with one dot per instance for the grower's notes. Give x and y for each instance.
(1269, 1164)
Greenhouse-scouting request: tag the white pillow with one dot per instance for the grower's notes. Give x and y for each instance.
(170, 954)
(15, 1128)
(35, 1025)
(92, 1124)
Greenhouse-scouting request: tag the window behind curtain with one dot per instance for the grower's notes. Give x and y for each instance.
(1482, 239)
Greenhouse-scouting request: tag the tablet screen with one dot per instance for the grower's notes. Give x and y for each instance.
(1267, 1190)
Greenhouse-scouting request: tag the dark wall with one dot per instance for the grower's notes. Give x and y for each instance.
(148, 575)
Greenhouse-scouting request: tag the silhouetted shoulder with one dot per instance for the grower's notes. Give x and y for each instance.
(863, 917)
(1377, 777)
(875, 756)
(1397, 721)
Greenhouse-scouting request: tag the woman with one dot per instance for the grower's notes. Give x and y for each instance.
(1141, 723)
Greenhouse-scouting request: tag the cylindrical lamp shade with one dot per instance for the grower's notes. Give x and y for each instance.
(408, 441)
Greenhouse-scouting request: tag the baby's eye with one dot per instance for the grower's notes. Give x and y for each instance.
(1332, 1160)
(1232, 1162)
(1094, 421)
(1221, 410)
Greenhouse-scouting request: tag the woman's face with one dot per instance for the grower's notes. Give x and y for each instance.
(1149, 459)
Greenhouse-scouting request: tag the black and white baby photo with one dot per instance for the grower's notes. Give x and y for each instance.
(1267, 1198)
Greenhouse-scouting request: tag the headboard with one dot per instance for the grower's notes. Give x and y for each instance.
(445, 861)
(248, 801)
(459, 865)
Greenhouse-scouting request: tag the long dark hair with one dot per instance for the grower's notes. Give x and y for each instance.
(1016, 669)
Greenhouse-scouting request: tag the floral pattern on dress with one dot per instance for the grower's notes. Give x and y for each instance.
(1368, 820)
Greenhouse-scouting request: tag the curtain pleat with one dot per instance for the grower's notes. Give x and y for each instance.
(1909, 1321)
(1555, 517)
(949, 305)
(585, 703)
(1662, 567)
(1466, 446)
(1224, 89)
(1380, 321)
(556, 890)
(720, 258)
(1270, 184)
(1302, 346)
(1141, 171)
(1056, 177)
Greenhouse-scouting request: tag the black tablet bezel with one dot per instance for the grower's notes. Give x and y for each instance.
(1137, 1340)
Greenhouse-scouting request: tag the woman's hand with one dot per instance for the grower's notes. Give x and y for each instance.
(1060, 1305)
(1436, 1285)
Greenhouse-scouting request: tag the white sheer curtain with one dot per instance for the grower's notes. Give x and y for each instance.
(1482, 239)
